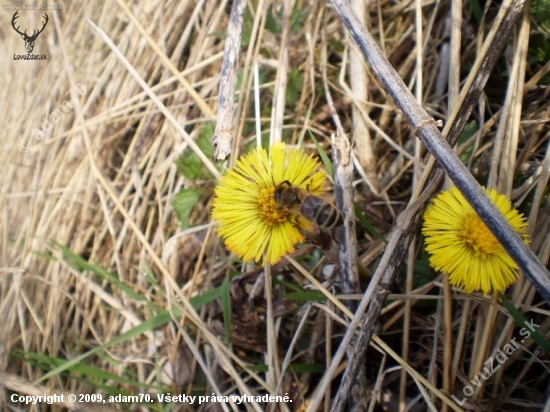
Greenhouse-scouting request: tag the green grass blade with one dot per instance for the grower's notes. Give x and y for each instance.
(522, 321)
(226, 307)
(326, 161)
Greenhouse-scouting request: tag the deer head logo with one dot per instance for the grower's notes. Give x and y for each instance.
(29, 40)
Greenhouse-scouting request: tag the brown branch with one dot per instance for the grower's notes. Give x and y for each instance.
(346, 235)
(223, 135)
(343, 191)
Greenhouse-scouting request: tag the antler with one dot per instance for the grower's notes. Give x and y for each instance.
(17, 28)
(42, 29)
(34, 33)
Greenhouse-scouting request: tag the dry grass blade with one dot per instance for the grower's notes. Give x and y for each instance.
(157, 101)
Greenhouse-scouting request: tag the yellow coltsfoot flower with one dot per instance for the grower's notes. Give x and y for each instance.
(249, 220)
(462, 246)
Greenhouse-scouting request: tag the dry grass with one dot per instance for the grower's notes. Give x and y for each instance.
(95, 198)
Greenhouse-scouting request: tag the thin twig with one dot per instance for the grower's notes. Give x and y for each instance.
(223, 135)
(347, 239)
(343, 191)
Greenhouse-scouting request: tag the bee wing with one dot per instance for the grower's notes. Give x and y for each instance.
(307, 225)
(310, 206)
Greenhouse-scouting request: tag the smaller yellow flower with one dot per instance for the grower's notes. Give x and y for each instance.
(462, 246)
(249, 220)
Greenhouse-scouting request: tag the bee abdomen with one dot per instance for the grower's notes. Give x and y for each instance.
(321, 212)
(328, 217)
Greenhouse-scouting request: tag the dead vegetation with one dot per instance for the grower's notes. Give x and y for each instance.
(105, 288)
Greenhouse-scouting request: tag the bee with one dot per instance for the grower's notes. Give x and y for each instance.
(317, 218)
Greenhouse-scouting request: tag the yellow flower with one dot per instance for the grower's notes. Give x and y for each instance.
(463, 247)
(249, 220)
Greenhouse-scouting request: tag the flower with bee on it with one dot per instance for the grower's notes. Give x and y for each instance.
(462, 246)
(251, 223)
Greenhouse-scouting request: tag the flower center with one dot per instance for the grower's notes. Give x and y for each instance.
(269, 209)
(479, 237)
